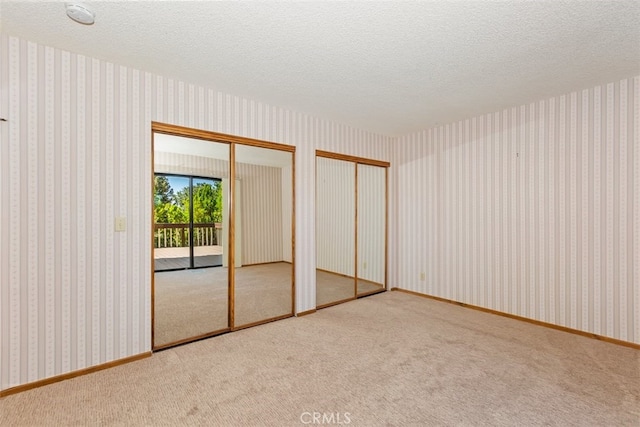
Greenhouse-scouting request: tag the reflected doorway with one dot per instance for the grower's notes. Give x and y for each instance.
(187, 222)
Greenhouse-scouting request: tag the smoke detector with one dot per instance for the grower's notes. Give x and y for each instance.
(80, 13)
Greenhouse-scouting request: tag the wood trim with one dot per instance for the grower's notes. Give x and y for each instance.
(306, 313)
(329, 304)
(176, 130)
(80, 372)
(355, 233)
(231, 238)
(524, 319)
(262, 322)
(153, 220)
(386, 228)
(192, 339)
(355, 159)
(293, 233)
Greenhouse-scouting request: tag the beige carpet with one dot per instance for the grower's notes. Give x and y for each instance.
(189, 303)
(389, 359)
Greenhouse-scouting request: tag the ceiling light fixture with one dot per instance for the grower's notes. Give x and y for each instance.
(80, 13)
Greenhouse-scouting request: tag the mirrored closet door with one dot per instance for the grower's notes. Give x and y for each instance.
(263, 227)
(190, 287)
(335, 231)
(351, 227)
(222, 233)
(372, 228)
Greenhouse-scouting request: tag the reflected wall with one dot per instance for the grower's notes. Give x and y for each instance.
(351, 228)
(263, 210)
(372, 228)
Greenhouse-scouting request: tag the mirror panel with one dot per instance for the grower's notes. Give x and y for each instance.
(263, 285)
(335, 230)
(371, 185)
(190, 288)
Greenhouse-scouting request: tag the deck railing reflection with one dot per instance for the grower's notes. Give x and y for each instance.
(177, 235)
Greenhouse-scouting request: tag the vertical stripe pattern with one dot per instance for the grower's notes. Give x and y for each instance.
(75, 153)
(553, 225)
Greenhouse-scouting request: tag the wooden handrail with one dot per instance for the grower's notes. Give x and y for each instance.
(158, 226)
(177, 235)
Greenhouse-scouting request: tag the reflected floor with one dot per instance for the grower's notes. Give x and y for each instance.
(177, 258)
(190, 303)
(332, 287)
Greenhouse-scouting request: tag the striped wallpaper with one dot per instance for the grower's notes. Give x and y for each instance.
(533, 211)
(261, 202)
(76, 153)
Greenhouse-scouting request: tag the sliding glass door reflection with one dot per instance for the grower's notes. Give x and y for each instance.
(206, 213)
(171, 223)
(188, 218)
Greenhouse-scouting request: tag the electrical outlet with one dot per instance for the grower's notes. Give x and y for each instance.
(422, 276)
(364, 265)
(121, 223)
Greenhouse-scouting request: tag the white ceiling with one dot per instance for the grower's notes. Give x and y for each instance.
(389, 67)
(201, 148)
(190, 146)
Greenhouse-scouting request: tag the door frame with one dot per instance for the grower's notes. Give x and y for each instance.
(232, 140)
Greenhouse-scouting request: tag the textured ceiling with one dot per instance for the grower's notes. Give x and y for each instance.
(389, 67)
